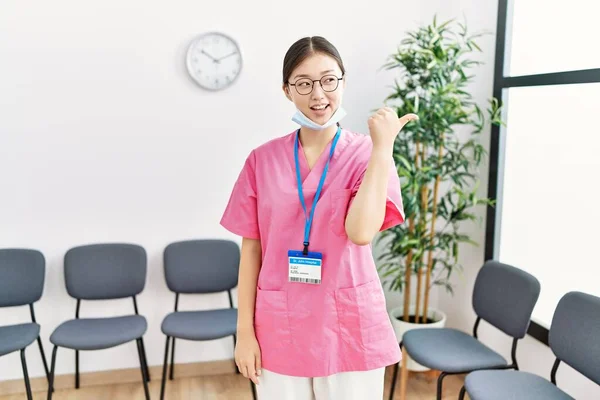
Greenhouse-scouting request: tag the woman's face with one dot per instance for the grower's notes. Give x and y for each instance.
(320, 104)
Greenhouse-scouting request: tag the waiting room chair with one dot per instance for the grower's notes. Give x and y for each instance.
(504, 296)
(574, 338)
(103, 272)
(200, 267)
(22, 275)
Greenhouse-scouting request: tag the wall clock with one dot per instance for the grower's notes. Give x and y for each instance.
(214, 60)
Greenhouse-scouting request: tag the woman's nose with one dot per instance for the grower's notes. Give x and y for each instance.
(318, 92)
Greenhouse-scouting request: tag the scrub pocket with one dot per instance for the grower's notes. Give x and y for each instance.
(362, 314)
(340, 200)
(271, 320)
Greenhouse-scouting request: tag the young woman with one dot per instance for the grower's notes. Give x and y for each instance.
(312, 321)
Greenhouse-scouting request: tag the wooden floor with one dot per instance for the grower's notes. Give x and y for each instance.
(232, 387)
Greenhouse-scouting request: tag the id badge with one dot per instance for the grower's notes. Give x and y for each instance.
(305, 268)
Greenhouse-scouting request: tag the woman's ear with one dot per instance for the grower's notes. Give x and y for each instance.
(286, 91)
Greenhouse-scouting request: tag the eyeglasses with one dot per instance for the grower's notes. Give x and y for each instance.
(329, 83)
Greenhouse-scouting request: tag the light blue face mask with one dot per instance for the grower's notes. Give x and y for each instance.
(303, 120)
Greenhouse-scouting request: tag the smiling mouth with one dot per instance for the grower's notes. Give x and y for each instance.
(320, 107)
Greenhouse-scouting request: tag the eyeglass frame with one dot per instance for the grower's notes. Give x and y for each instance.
(312, 82)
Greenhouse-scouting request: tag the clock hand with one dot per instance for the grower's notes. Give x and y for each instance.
(209, 56)
(228, 55)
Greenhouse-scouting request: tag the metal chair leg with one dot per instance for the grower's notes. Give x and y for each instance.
(76, 369)
(43, 358)
(253, 386)
(26, 375)
(52, 369)
(461, 395)
(164, 374)
(172, 371)
(144, 377)
(237, 371)
(439, 385)
(145, 360)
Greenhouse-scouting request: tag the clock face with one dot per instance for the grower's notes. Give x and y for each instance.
(214, 60)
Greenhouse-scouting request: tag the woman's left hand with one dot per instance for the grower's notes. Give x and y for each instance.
(385, 125)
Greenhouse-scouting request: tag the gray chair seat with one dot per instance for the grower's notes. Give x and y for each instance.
(449, 350)
(511, 385)
(17, 337)
(99, 333)
(201, 325)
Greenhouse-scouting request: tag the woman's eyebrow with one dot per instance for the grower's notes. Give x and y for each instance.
(306, 76)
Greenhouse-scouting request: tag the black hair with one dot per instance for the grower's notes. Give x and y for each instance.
(305, 47)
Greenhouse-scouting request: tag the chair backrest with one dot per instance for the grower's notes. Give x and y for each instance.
(22, 274)
(574, 335)
(505, 297)
(202, 266)
(105, 271)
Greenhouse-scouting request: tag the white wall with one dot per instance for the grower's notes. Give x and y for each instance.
(103, 137)
(532, 356)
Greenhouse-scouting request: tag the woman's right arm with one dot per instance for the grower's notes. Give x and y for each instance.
(247, 350)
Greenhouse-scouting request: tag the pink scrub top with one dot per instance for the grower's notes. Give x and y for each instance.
(341, 324)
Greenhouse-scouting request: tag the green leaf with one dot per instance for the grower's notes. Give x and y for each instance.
(434, 70)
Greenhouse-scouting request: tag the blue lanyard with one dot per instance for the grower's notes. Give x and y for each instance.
(309, 219)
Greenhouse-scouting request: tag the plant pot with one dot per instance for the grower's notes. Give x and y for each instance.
(437, 318)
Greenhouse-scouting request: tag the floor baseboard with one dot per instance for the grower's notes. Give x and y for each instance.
(119, 376)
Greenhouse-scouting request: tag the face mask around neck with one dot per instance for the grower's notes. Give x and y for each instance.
(306, 122)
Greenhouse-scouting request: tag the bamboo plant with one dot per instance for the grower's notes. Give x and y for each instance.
(437, 159)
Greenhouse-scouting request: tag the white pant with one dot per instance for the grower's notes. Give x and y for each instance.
(360, 385)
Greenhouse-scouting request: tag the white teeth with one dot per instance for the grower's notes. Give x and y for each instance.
(319, 107)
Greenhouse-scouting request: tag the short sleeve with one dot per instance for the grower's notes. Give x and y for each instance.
(240, 216)
(394, 209)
